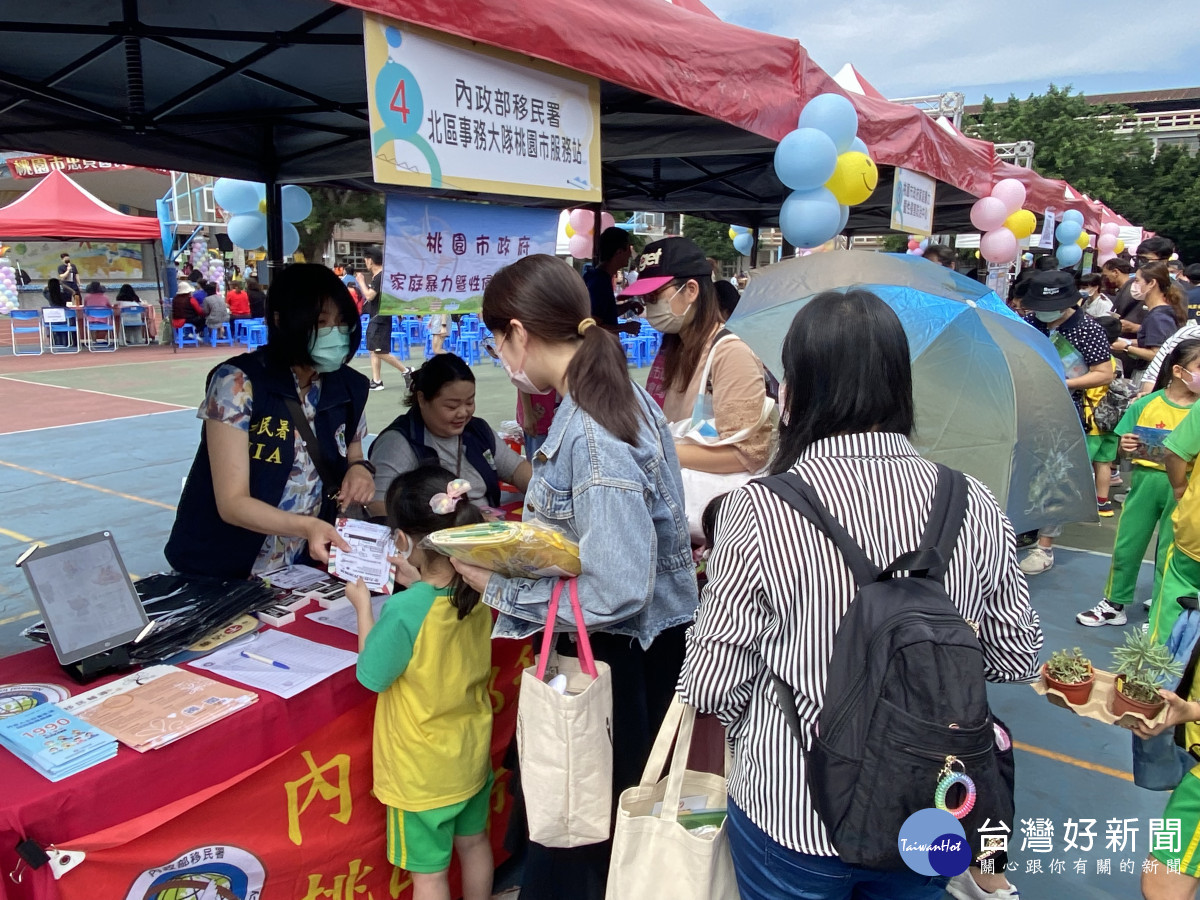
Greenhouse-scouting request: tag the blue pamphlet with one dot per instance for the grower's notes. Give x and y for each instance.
(1150, 443)
(54, 742)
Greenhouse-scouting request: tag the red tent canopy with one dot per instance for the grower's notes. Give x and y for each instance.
(59, 208)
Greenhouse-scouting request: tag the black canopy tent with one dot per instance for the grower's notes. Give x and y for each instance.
(277, 93)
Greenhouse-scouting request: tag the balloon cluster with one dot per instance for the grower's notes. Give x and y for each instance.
(743, 239)
(1072, 239)
(917, 245)
(580, 225)
(1109, 243)
(246, 201)
(8, 287)
(211, 268)
(828, 168)
(1000, 216)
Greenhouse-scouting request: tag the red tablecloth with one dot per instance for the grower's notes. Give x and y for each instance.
(134, 784)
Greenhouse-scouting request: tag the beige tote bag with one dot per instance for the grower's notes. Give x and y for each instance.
(655, 853)
(564, 740)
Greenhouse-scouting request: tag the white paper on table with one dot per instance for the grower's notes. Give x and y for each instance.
(370, 547)
(308, 663)
(293, 577)
(342, 614)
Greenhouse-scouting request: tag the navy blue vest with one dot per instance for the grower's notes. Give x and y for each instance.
(201, 542)
(479, 445)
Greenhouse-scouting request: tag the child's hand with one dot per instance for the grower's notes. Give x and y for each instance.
(359, 594)
(406, 573)
(1129, 444)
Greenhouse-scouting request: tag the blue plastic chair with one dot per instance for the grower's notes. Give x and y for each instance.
(242, 327)
(256, 336)
(133, 317)
(66, 330)
(101, 326)
(185, 336)
(400, 343)
(219, 335)
(27, 321)
(412, 327)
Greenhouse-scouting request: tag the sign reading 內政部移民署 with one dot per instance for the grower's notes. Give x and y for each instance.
(912, 202)
(449, 115)
(439, 255)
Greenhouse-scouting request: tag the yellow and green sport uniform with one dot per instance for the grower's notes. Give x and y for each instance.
(1102, 445)
(1150, 502)
(1181, 567)
(1184, 805)
(433, 723)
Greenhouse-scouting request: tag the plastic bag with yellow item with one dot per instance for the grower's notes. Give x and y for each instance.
(513, 549)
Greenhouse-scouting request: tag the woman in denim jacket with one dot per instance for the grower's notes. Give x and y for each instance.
(608, 477)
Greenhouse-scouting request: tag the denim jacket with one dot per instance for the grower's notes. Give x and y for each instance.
(624, 506)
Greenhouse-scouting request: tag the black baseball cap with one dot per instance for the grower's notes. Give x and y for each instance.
(1047, 291)
(665, 260)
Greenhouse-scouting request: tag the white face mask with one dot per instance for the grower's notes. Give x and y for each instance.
(662, 318)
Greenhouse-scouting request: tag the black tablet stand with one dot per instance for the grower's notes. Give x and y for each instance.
(92, 667)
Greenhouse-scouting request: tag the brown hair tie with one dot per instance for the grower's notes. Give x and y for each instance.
(585, 325)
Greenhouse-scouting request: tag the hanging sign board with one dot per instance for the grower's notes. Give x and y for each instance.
(449, 114)
(1046, 240)
(912, 202)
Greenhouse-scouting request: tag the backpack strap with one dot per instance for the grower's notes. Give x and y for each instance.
(801, 496)
(947, 512)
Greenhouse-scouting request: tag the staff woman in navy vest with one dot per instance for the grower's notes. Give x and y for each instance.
(441, 428)
(254, 498)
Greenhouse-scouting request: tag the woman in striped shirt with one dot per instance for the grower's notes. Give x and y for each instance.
(778, 589)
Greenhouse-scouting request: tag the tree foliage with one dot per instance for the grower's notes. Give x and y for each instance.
(711, 237)
(1078, 142)
(333, 207)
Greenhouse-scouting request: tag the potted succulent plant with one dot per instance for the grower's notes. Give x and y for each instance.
(1070, 673)
(1143, 666)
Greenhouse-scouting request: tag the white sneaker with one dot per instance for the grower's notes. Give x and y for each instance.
(964, 888)
(1103, 613)
(1037, 561)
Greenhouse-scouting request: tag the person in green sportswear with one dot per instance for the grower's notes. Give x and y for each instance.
(429, 658)
(1151, 500)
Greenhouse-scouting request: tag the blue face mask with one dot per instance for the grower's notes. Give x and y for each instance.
(329, 348)
(1048, 316)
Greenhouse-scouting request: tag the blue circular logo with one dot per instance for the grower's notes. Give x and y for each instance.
(932, 842)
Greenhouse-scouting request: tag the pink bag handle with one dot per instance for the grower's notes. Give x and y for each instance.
(586, 661)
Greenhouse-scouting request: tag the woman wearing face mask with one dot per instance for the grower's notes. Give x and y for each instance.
(606, 476)
(256, 498)
(681, 300)
(441, 428)
(1166, 311)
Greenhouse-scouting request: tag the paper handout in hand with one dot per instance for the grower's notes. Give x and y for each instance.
(370, 547)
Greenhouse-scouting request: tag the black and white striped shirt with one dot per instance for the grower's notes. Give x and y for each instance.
(778, 590)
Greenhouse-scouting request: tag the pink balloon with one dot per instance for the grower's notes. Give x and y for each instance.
(583, 221)
(1011, 193)
(988, 213)
(1111, 228)
(606, 221)
(999, 246)
(1105, 257)
(1107, 243)
(913, 245)
(581, 246)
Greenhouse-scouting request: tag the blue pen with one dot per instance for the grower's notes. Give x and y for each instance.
(263, 659)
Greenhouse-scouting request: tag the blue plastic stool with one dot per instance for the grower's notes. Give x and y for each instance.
(185, 336)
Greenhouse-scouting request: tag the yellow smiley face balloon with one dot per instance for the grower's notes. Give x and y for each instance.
(854, 179)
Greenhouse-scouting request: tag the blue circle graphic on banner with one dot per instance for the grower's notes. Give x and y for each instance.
(932, 842)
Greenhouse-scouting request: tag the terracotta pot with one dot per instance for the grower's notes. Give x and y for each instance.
(1076, 694)
(1122, 704)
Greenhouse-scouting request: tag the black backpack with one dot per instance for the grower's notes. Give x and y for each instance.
(905, 702)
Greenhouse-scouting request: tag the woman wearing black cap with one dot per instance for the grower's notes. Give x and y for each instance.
(710, 375)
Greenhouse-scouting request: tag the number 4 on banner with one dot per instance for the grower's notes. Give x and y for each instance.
(403, 107)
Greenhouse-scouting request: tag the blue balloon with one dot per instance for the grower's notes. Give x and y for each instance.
(1068, 232)
(744, 244)
(1069, 254)
(834, 115)
(248, 230)
(235, 196)
(844, 217)
(810, 218)
(858, 145)
(739, 229)
(805, 159)
(295, 202)
(1073, 215)
(291, 239)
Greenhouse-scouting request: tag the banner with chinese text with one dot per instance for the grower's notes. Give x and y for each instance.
(451, 115)
(37, 166)
(302, 827)
(439, 255)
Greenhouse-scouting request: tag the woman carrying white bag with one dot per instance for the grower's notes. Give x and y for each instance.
(716, 393)
(607, 477)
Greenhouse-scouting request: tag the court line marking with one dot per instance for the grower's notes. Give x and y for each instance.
(25, 615)
(63, 387)
(21, 538)
(115, 365)
(158, 412)
(84, 484)
(1072, 761)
